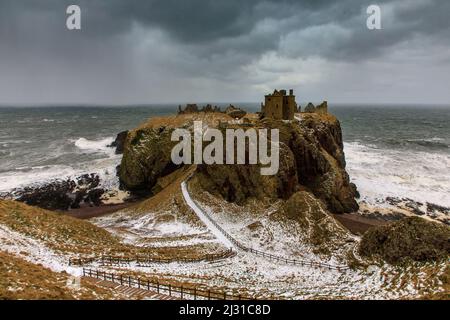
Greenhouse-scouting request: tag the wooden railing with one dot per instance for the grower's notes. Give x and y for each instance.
(145, 261)
(266, 255)
(179, 291)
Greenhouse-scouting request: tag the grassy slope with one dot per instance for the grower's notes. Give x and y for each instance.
(69, 235)
(20, 279)
(58, 232)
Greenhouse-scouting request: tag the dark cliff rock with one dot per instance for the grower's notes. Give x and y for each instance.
(411, 238)
(237, 183)
(119, 142)
(62, 194)
(146, 158)
(310, 108)
(311, 158)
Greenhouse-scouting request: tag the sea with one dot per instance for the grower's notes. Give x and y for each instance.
(391, 150)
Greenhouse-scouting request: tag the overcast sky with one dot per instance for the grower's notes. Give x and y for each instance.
(132, 51)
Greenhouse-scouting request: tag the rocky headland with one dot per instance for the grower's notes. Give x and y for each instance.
(311, 153)
(311, 177)
(304, 212)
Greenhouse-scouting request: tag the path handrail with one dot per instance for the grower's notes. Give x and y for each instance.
(270, 256)
(179, 291)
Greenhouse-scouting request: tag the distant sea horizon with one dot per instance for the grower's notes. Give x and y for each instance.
(253, 104)
(398, 150)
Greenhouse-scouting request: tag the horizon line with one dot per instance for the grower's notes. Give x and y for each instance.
(176, 104)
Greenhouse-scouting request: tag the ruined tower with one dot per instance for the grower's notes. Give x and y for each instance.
(279, 105)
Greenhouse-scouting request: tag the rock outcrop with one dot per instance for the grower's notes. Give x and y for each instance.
(119, 142)
(412, 238)
(193, 108)
(62, 194)
(146, 158)
(310, 108)
(311, 158)
(321, 108)
(147, 149)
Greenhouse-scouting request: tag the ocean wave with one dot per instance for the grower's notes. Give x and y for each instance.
(380, 173)
(39, 175)
(95, 145)
(433, 143)
(430, 143)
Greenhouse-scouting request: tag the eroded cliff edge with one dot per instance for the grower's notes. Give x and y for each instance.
(311, 159)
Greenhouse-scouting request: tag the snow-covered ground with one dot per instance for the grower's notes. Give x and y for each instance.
(34, 251)
(252, 226)
(244, 273)
(155, 229)
(205, 219)
(258, 277)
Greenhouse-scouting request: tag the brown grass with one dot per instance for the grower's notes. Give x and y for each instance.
(69, 235)
(20, 279)
(445, 293)
(177, 121)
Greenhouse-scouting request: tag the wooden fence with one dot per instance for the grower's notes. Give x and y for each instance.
(146, 261)
(266, 255)
(179, 291)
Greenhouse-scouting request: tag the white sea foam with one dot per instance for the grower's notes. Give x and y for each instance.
(105, 168)
(37, 175)
(95, 145)
(378, 173)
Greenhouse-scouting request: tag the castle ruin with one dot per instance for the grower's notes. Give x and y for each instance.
(279, 105)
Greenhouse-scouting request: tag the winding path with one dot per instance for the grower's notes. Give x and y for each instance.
(206, 219)
(232, 243)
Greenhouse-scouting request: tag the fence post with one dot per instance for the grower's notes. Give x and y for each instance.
(148, 285)
(157, 286)
(224, 296)
(129, 281)
(84, 273)
(170, 289)
(139, 283)
(181, 289)
(121, 280)
(104, 275)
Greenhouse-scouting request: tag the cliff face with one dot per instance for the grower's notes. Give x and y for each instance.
(311, 159)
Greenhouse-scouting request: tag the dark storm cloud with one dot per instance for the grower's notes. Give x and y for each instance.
(215, 26)
(126, 45)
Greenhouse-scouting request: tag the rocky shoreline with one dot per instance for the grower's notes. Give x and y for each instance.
(82, 196)
(73, 193)
(397, 208)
